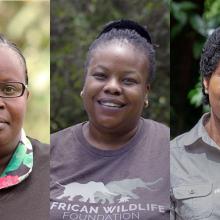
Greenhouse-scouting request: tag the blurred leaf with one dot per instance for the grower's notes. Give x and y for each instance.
(198, 24)
(178, 14)
(197, 49)
(195, 95)
(187, 5)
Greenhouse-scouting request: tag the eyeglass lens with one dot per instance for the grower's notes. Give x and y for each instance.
(11, 89)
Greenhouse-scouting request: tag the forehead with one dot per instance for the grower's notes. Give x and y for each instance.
(119, 52)
(123, 43)
(11, 66)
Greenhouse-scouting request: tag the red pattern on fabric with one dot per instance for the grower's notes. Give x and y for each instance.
(7, 181)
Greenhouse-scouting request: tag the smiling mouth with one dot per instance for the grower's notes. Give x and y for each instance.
(3, 125)
(2, 121)
(111, 104)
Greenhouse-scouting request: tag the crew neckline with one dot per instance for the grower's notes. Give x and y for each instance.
(109, 153)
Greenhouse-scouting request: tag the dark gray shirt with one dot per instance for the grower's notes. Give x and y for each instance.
(195, 175)
(130, 183)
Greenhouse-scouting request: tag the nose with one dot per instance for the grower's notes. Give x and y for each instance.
(2, 103)
(112, 87)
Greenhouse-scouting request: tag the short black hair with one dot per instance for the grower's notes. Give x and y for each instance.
(125, 31)
(210, 58)
(5, 42)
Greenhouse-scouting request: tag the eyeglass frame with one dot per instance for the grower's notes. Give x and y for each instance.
(24, 86)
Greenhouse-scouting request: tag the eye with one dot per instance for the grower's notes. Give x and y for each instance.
(9, 89)
(100, 76)
(130, 81)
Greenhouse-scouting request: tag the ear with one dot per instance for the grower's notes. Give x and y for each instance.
(28, 94)
(147, 88)
(205, 82)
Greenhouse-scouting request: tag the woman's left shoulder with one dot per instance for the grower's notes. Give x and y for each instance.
(40, 148)
(157, 126)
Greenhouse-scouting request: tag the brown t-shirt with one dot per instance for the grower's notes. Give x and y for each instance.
(29, 200)
(129, 183)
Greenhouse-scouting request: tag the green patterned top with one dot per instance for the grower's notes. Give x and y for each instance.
(20, 165)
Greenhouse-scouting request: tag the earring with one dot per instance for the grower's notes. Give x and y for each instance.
(146, 102)
(81, 93)
(206, 91)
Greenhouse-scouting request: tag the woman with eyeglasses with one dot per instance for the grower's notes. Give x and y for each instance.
(24, 166)
(116, 165)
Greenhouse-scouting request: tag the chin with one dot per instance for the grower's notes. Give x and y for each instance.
(109, 123)
(4, 139)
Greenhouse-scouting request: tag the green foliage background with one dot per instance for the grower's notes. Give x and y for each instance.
(28, 25)
(74, 25)
(191, 23)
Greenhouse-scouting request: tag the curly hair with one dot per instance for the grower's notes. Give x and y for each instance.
(125, 31)
(210, 58)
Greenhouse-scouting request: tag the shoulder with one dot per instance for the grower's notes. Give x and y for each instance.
(190, 137)
(156, 135)
(64, 139)
(178, 152)
(185, 139)
(39, 148)
(64, 134)
(41, 152)
(156, 128)
(179, 141)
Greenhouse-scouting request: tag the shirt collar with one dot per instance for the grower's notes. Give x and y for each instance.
(20, 165)
(199, 131)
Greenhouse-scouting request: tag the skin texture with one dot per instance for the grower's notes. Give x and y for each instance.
(12, 111)
(117, 75)
(212, 86)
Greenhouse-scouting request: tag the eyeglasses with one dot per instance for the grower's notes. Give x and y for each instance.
(12, 89)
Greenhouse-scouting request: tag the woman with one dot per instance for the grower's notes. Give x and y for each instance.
(195, 155)
(116, 165)
(24, 166)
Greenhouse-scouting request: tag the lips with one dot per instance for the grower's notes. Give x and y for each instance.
(111, 103)
(3, 121)
(3, 125)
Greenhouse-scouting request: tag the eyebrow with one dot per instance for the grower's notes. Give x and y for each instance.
(100, 66)
(106, 69)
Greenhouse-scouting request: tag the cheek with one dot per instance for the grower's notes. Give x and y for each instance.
(17, 111)
(136, 100)
(215, 88)
(91, 88)
(214, 95)
(89, 91)
(136, 95)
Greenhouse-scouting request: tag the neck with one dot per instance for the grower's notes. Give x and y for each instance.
(213, 128)
(3, 162)
(107, 140)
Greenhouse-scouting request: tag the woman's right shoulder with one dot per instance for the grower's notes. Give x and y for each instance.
(179, 141)
(64, 135)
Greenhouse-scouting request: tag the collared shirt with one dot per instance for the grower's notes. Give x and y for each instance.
(195, 175)
(20, 165)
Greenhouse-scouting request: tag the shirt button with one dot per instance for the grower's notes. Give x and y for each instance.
(191, 191)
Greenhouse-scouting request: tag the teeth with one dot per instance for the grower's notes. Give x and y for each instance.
(110, 104)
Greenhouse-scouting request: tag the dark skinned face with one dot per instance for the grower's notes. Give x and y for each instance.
(212, 86)
(12, 110)
(115, 87)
